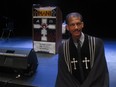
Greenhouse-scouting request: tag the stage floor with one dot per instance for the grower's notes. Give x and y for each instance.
(45, 75)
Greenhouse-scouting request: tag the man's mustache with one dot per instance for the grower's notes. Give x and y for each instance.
(76, 30)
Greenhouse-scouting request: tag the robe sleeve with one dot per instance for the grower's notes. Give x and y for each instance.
(99, 75)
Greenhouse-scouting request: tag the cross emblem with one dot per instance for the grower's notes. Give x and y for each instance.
(44, 23)
(86, 61)
(44, 31)
(74, 62)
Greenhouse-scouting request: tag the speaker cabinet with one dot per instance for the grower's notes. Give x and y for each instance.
(18, 60)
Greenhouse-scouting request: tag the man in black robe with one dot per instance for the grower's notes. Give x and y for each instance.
(81, 58)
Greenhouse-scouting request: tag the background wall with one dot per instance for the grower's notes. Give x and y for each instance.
(99, 15)
(20, 11)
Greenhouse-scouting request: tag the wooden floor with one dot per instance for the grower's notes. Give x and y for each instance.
(45, 75)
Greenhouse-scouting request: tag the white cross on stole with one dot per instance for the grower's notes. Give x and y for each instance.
(86, 61)
(74, 62)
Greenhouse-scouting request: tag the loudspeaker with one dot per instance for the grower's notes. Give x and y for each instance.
(18, 60)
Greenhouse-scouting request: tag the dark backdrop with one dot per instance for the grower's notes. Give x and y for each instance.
(99, 15)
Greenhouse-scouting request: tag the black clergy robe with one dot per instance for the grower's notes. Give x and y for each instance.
(96, 74)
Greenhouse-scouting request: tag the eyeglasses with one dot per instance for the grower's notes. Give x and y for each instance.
(75, 24)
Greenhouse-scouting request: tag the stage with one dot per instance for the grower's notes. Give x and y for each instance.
(45, 75)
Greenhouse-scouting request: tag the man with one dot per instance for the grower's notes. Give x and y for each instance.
(81, 58)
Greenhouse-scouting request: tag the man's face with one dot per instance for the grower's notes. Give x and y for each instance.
(75, 26)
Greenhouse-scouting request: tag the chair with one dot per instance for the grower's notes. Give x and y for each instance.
(7, 30)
